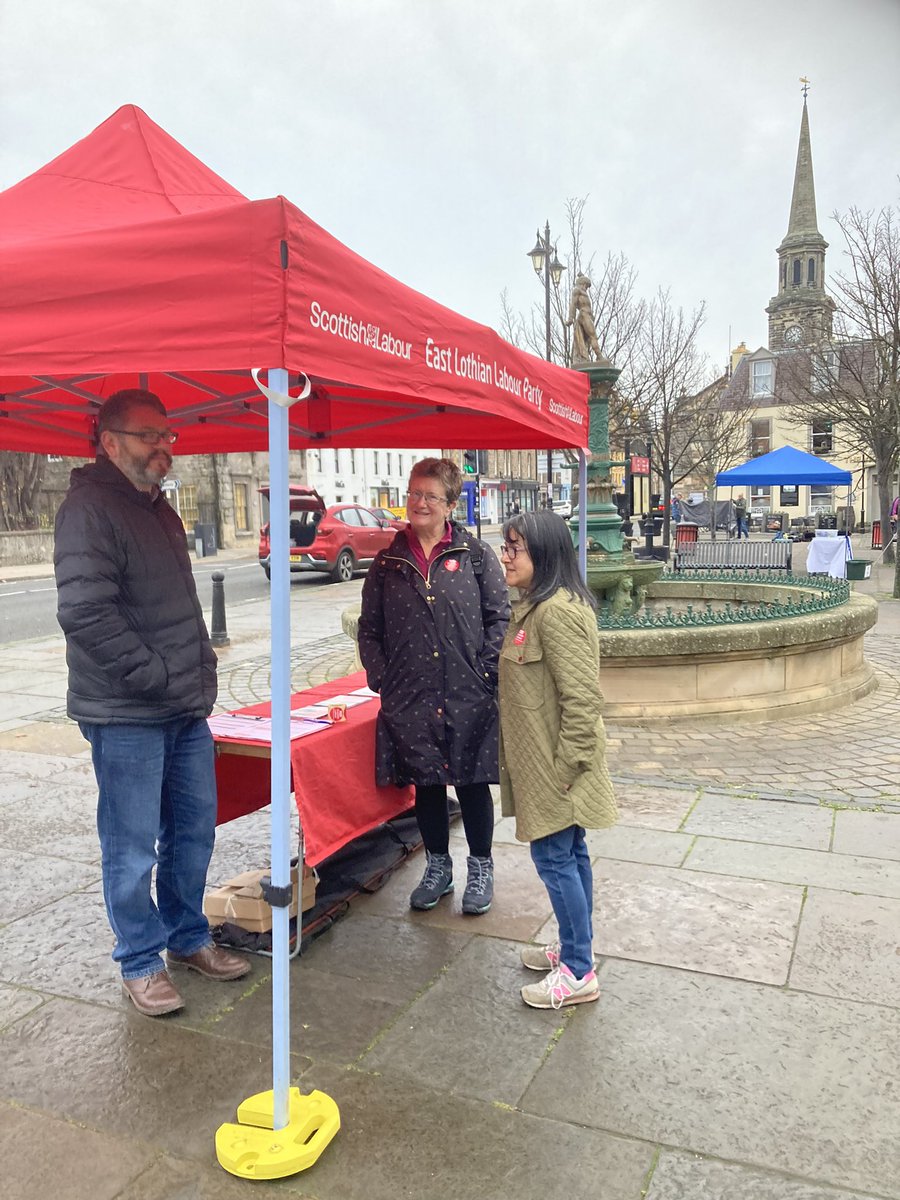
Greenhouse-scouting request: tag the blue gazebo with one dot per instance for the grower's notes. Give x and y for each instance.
(786, 465)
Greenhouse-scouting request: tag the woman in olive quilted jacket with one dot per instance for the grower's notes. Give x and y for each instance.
(553, 774)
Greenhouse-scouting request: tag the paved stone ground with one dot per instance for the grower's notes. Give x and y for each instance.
(746, 1045)
(849, 756)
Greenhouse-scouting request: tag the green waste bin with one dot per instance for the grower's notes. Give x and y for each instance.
(859, 568)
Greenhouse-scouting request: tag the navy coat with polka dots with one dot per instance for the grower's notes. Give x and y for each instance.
(430, 647)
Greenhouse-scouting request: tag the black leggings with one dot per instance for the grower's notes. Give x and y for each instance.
(477, 809)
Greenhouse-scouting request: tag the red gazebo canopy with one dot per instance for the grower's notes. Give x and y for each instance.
(127, 262)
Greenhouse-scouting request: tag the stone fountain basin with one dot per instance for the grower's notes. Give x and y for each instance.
(760, 670)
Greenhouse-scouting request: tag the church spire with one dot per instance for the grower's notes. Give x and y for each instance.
(800, 314)
(803, 201)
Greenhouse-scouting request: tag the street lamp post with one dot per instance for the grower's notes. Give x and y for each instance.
(550, 269)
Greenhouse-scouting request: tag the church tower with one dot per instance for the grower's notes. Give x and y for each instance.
(800, 314)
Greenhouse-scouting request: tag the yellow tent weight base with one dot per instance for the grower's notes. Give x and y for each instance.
(251, 1149)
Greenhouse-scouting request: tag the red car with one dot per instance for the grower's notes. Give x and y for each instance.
(385, 514)
(337, 540)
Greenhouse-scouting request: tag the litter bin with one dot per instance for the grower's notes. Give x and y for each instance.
(876, 535)
(685, 533)
(859, 568)
(205, 540)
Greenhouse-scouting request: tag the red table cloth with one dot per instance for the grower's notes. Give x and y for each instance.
(333, 774)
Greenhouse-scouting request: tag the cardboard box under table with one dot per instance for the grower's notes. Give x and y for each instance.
(240, 901)
(332, 774)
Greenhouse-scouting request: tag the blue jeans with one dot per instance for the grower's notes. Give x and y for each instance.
(743, 527)
(156, 808)
(562, 862)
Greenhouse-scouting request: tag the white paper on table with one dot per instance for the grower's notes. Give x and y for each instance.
(259, 729)
(312, 712)
(364, 691)
(351, 699)
(235, 725)
(303, 728)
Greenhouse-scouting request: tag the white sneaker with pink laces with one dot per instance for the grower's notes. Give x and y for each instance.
(541, 958)
(560, 989)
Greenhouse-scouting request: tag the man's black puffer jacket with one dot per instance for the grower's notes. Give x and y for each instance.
(136, 643)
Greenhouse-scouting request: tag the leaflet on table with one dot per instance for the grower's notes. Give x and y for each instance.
(351, 699)
(259, 729)
(319, 711)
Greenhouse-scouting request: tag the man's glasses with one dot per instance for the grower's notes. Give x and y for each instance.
(510, 549)
(429, 497)
(150, 437)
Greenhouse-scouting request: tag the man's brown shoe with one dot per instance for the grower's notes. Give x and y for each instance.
(153, 995)
(213, 962)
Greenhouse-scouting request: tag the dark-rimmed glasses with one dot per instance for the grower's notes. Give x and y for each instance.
(150, 437)
(511, 549)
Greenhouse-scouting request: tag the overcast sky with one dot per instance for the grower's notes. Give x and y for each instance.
(433, 136)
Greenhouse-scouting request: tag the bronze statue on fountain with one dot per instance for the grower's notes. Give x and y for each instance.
(618, 578)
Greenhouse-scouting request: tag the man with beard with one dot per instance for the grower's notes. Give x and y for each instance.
(142, 681)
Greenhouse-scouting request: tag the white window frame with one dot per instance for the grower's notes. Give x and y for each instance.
(762, 373)
(821, 437)
(821, 499)
(760, 499)
(824, 372)
(755, 438)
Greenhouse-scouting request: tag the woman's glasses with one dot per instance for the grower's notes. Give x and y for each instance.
(429, 497)
(510, 549)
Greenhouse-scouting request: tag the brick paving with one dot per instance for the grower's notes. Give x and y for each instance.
(249, 682)
(848, 756)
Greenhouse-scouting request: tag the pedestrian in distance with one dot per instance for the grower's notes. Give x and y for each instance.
(742, 525)
(553, 774)
(434, 611)
(142, 681)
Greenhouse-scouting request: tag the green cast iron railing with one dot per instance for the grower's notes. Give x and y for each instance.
(831, 594)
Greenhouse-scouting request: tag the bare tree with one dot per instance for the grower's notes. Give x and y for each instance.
(720, 431)
(21, 476)
(854, 382)
(671, 393)
(618, 311)
(512, 325)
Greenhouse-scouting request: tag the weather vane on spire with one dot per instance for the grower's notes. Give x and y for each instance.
(805, 87)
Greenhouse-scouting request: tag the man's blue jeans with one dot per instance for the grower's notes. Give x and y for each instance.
(743, 528)
(562, 861)
(156, 808)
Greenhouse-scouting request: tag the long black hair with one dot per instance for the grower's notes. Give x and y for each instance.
(547, 540)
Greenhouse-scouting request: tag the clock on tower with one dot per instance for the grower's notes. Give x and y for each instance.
(793, 335)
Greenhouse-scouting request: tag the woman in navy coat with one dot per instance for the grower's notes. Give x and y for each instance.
(435, 608)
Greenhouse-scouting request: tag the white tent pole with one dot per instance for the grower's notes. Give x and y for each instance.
(582, 514)
(280, 600)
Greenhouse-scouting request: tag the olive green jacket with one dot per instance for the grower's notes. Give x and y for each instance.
(553, 770)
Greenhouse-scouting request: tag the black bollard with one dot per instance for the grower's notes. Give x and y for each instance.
(648, 530)
(218, 634)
